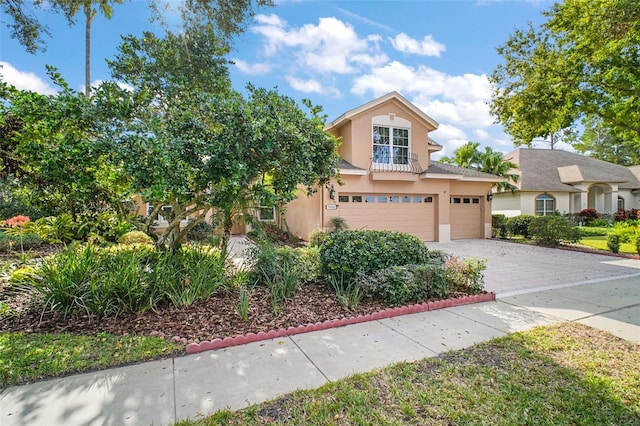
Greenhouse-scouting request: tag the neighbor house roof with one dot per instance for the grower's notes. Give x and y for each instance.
(349, 115)
(437, 169)
(557, 170)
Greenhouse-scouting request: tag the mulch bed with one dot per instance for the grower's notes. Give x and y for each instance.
(215, 317)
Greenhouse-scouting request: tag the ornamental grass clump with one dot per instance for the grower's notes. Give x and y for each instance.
(106, 281)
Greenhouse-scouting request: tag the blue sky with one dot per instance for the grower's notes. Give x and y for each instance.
(339, 54)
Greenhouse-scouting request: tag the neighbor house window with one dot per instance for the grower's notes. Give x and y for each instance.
(620, 203)
(390, 145)
(545, 205)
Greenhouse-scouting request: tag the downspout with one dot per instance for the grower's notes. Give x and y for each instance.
(322, 208)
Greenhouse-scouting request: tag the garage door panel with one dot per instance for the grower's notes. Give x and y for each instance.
(466, 215)
(411, 217)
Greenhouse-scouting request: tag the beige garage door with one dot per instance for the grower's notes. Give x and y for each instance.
(413, 214)
(466, 217)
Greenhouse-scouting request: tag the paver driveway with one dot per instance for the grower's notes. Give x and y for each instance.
(514, 268)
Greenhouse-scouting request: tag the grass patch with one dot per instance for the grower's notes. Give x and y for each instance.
(561, 375)
(25, 357)
(600, 243)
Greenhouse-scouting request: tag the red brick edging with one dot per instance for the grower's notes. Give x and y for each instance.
(207, 345)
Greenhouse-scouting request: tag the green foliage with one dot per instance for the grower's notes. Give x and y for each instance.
(338, 224)
(349, 293)
(201, 232)
(550, 231)
(54, 229)
(366, 251)
(106, 281)
(101, 226)
(317, 237)
(599, 222)
(244, 295)
(519, 225)
(499, 224)
(268, 261)
(135, 237)
(592, 231)
(465, 275)
(638, 244)
(627, 230)
(543, 86)
(613, 242)
(489, 161)
(14, 242)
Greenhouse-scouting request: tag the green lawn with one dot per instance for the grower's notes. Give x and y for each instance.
(561, 375)
(600, 243)
(25, 357)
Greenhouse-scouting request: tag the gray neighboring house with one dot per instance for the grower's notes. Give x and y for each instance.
(555, 180)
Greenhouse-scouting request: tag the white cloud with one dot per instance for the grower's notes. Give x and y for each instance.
(459, 99)
(427, 47)
(252, 69)
(312, 86)
(447, 131)
(330, 47)
(24, 80)
(480, 134)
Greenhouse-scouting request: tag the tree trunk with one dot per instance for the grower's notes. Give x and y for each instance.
(87, 47)
(227, 224)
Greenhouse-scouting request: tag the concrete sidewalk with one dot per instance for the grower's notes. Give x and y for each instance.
(195, 386)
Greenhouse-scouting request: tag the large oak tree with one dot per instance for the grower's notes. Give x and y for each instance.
(584, 61)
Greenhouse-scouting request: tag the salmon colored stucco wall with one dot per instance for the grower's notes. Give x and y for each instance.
(357, 145)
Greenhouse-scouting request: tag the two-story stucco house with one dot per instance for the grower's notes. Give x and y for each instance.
(391, 183)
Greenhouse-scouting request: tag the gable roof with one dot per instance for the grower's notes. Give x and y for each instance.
(556, 170)
(349, 115)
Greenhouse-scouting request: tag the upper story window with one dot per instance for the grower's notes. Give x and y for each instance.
(545, 205)
(390, 145)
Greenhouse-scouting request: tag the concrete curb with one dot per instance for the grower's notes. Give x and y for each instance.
(242, 339)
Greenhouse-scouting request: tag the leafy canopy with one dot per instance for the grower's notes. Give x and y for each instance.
(489, 161)
(583, 62)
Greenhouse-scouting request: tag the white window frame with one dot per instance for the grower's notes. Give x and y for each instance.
(546, 199)
(393, 148)
(264, 209)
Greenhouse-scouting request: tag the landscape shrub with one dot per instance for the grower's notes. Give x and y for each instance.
(638, 244)
(519, 225)
(54, 229)
(338, 224)
(366, 251)
(201, 232)
(104, 281)
(13, 242)
(627, 230)
(613, 242)
(465, 275)
(269, 262)
(135, 237)
(104, 226)
(599, 222)
(499, 225)
(590, 231)
(587, 216)
(317, 237)
(551, 230)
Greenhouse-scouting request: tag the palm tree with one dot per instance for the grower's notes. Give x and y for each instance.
(489, 161)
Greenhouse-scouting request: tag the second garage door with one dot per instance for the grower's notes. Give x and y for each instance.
(466, 217)
(413, 214)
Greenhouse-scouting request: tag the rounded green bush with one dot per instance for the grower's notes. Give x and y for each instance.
(638, 244)
(519, 225)
(317, 237)
(367, 251)
(613, 242)
(135, 237)
(552, 230)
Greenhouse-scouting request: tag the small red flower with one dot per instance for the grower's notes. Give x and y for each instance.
(15, 222)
